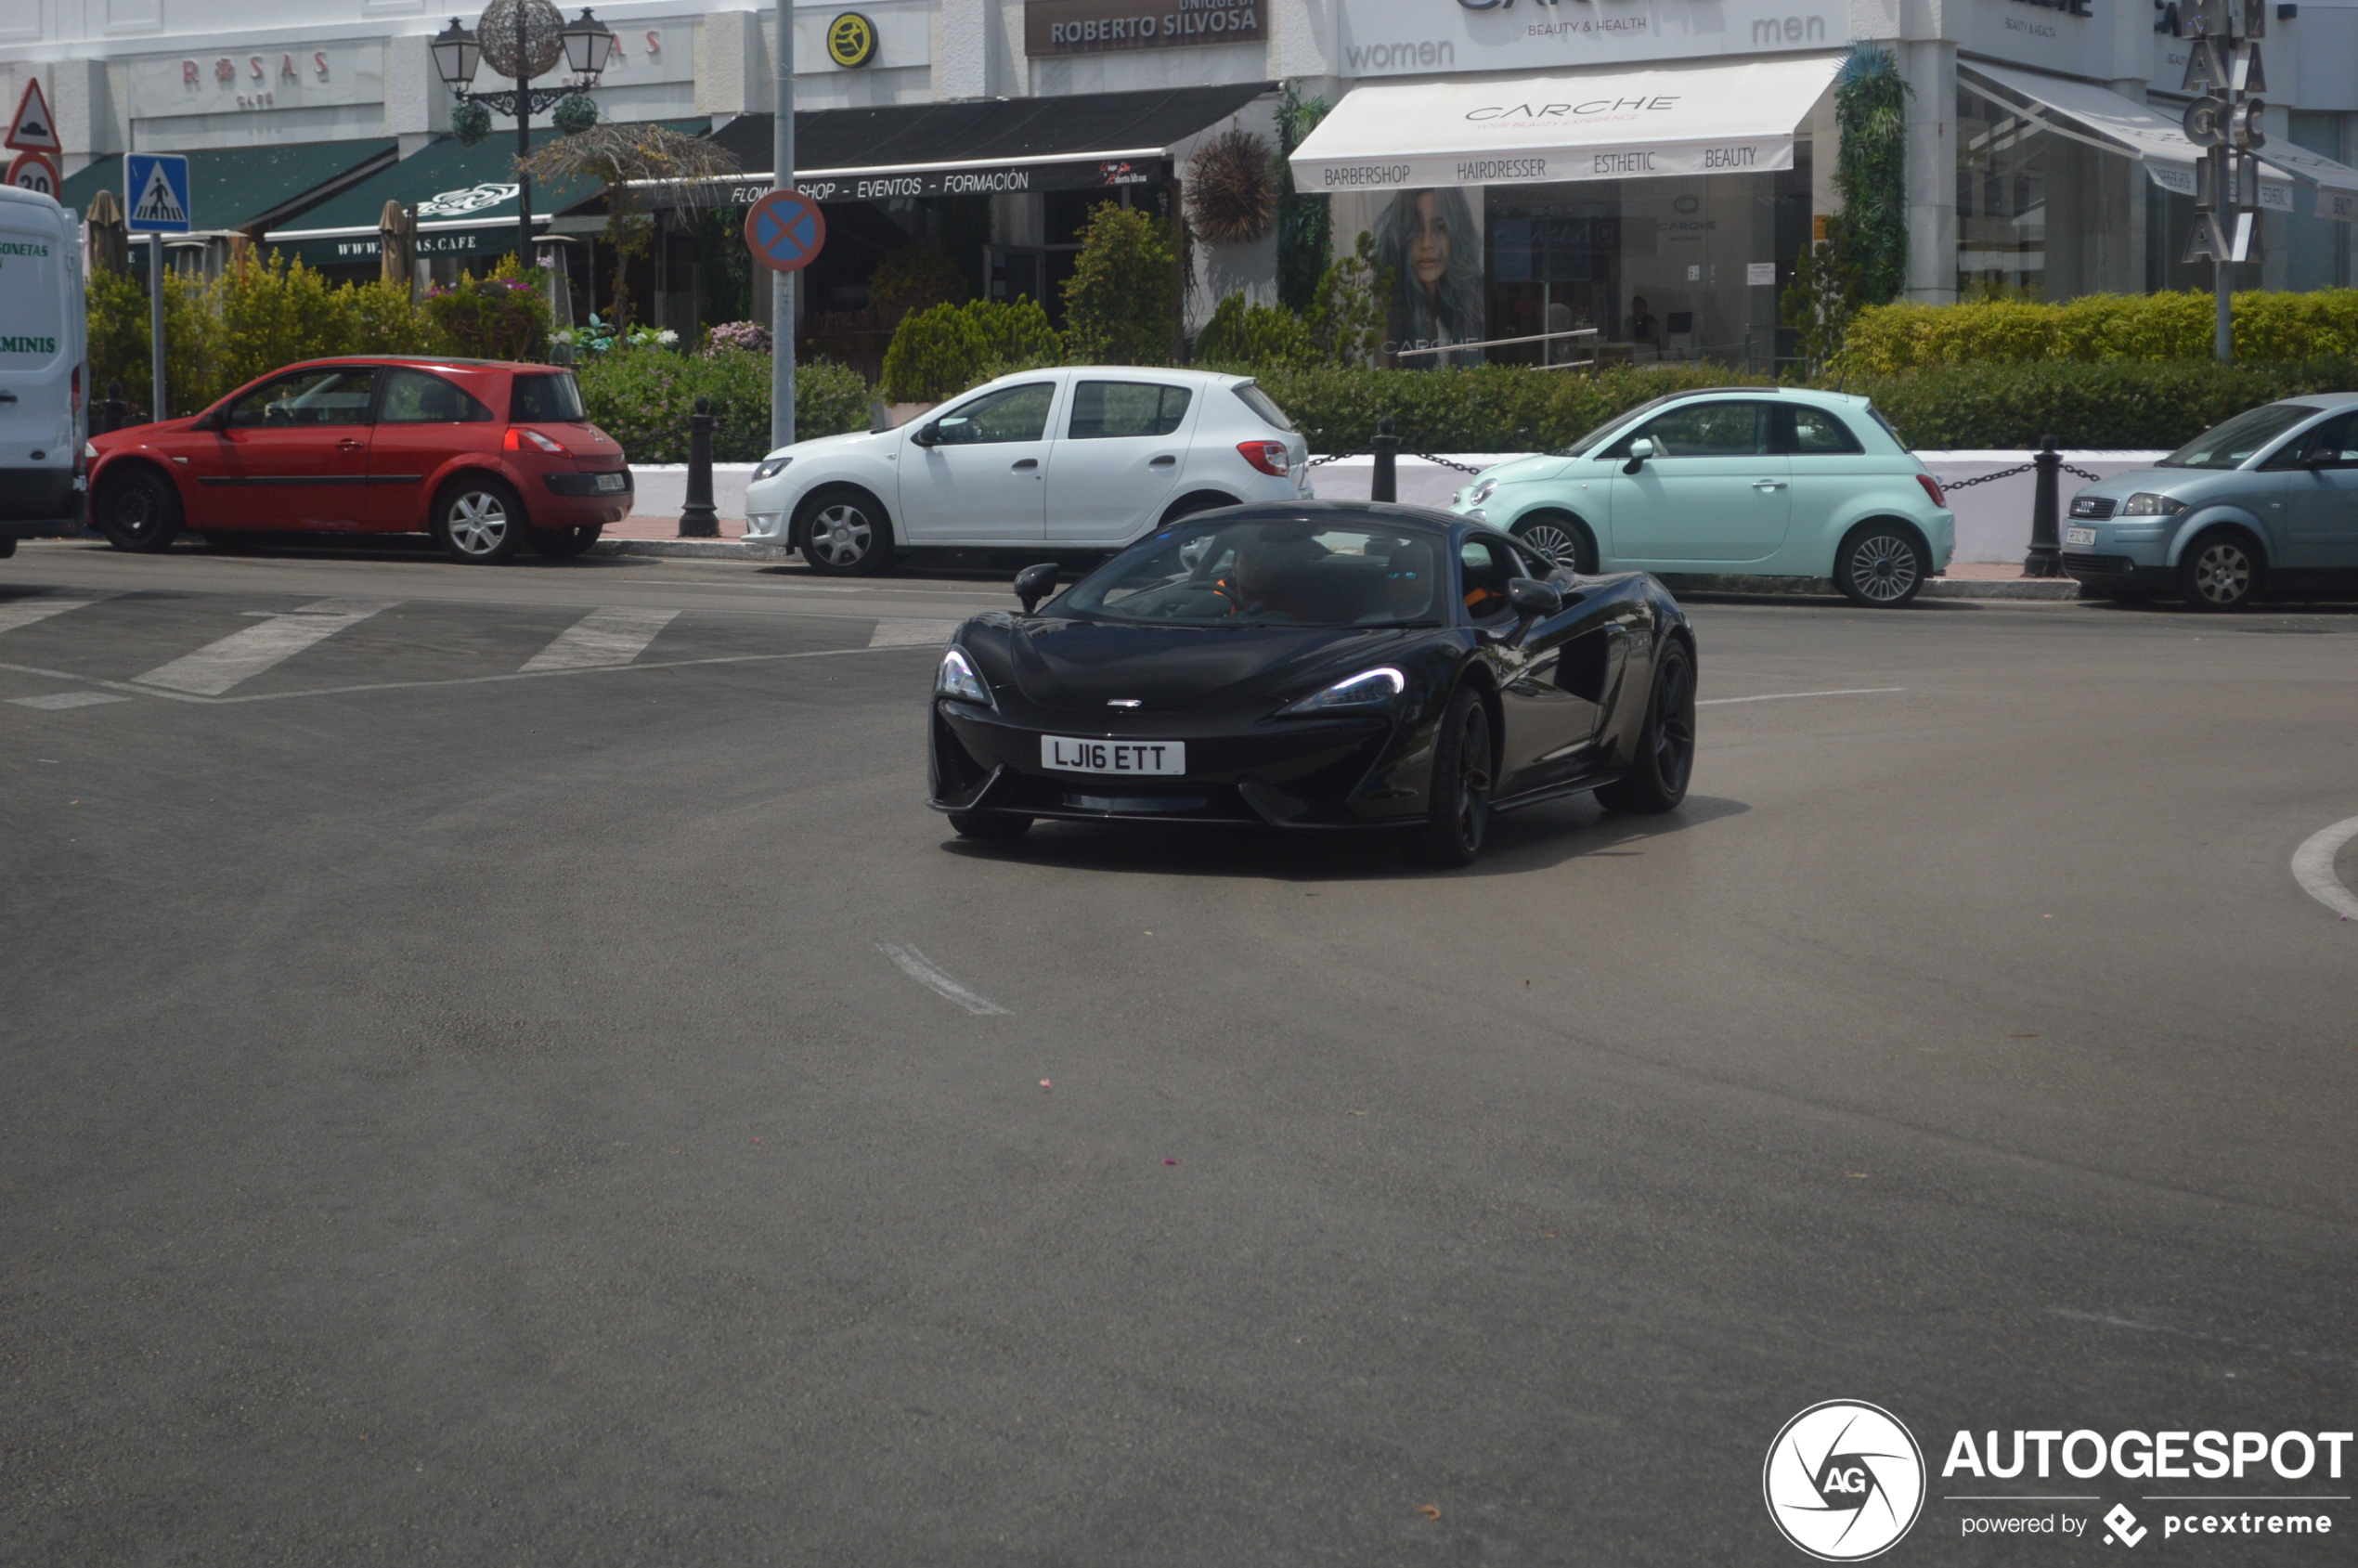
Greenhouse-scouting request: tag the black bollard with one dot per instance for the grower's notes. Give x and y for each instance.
(114, 414)
(2045, 559)
(699, 521)
(1384, 485)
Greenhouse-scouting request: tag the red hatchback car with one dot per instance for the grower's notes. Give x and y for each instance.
(486, 455)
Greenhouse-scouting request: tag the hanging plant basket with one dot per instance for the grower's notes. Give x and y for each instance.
(1232, 189)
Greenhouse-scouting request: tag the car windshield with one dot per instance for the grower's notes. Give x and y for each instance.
(1581, 448)
(2234, 444)
(1261, 574)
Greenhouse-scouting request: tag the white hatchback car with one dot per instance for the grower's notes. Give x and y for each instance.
(1082, 457)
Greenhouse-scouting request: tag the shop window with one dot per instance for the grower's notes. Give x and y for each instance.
(2039, 215)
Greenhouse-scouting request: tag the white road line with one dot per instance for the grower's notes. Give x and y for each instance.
(912, 634)
(68, 699)
(242, 656)
(614, 635)
(32, 610)
(2312, 867)
(920, 968)
(1787, 696)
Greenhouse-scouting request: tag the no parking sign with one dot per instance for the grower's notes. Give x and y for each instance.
(784, 232)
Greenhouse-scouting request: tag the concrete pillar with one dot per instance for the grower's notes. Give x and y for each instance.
(1930, 67)
(962, 56)
(732, 64)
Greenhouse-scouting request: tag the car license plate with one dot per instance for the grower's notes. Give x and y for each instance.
(612, 481)
(2079, 535)
(1071, 756)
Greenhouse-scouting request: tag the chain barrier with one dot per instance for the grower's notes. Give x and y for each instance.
(2010, 473)
(1428, 457)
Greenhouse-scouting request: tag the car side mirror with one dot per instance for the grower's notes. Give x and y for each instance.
(1531, 601)
(2319, 459)
(1035, 583)
(1639, 450)
(925, 435)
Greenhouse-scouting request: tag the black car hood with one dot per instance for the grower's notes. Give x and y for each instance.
(1085, 665)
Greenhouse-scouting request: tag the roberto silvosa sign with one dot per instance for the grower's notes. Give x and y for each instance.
(1089, 27)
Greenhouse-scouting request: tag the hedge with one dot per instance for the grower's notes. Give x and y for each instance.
(643, 398)
(1485, 408)
(1505, 408)
(2084, 406)
(2269, 327)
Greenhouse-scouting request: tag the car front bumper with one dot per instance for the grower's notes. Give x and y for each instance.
(1296, 773)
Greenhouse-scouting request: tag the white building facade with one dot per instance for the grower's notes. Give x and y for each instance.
(2040, 154)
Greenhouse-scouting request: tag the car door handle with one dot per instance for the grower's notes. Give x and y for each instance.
(349, 445)
(1163, 462)
(1023, 463)
(1768, 484)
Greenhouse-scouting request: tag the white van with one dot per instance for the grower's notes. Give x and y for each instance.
(42, 320)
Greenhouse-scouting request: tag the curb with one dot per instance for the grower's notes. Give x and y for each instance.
(700, 549)
(1824, 588)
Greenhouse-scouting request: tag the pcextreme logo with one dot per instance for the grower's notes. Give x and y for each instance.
(1844, 1481)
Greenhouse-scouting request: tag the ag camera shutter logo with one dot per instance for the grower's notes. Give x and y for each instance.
(1845, 1481)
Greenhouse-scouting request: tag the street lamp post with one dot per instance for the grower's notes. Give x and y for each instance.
(523, 39)
(2224, 122)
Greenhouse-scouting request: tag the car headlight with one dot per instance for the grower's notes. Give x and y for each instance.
(1481, 492)
(770, 468)
(956, 677)
(2145, 504)
(1370, 688)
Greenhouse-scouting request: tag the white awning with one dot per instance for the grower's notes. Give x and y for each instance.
(1578, 125)
(2101, 117)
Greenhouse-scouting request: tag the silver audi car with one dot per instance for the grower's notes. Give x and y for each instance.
(2266, 501)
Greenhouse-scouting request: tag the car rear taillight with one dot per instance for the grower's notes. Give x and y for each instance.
(523, 439)
(74, 403)
(1932, 488)
(1269, 457)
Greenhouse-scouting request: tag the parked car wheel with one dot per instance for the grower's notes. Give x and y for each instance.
(1666, 746)
(1187, 506)
(1562, 539)
(844, 534)
(137, 509)
(1457, 820)
(478, 521)
(2220, 571)
(1881, 565)
(560, 543)
(989, 827)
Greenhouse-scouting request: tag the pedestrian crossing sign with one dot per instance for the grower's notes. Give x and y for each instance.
(155, 190)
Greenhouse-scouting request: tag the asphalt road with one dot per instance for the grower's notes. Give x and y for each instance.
(460, 1101)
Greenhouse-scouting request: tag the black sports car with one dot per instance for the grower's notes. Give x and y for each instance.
(1316, 664)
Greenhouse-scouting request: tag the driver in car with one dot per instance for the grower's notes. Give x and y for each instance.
(1268, 578)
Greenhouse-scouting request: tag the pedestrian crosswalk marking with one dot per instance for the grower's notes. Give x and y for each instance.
(612, 636)
(242, 656)
(67, 699)
(32, 610)
(912, 634)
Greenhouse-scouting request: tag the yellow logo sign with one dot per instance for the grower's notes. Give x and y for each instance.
(852, 40)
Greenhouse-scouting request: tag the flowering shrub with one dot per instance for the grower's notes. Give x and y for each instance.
(750, 336)
(502, 317)
(600, 337)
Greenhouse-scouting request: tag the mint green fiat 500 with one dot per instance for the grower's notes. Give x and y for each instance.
(1748, 481)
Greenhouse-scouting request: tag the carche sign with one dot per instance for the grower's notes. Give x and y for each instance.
(1088, 27)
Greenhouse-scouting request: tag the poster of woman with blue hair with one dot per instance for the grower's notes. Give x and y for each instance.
(1430, 245)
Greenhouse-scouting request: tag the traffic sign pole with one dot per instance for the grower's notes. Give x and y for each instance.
(782, 284)
(155, 316)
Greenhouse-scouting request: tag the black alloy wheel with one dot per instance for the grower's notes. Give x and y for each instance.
(989, 827)
(478, 521)
(560, 543)
(1561, 540)
(1881, 566)
(1665, 760)
(138, 510)
(2219, 571)
(1457, 817)
(845, 535)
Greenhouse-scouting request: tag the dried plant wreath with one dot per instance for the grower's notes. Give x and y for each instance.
(1232, 189)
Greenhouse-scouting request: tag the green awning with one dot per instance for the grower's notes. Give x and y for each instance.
(245, 187)
(465, 197)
